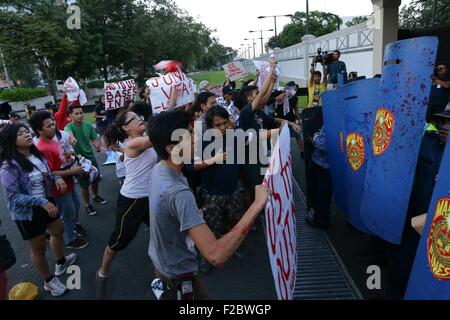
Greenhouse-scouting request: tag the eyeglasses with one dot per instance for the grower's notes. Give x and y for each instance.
(139, 118)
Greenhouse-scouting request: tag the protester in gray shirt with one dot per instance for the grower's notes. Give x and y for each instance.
(176, 223)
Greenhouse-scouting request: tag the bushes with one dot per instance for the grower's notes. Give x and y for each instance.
(22, 94)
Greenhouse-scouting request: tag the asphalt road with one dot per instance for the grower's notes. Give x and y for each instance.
(248, 278)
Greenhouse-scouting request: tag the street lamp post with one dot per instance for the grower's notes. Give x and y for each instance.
(307, 17)
(275, 20)
(254, 44)
(262, 44)
(338, 20)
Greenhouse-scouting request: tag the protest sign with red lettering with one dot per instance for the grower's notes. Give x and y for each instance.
(280, 218)
(264, 69)
(235, 70)
(72, 89)
(161, 90)
(119, 93)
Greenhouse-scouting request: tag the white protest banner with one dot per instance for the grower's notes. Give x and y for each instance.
(161, 89)
(72, 89)
(235, 70)
(280, 218)
(117, 94)
(264, 69)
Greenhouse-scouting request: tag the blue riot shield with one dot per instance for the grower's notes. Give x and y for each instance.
(396, 135)
(359, 100)
(334, 128)
(430, 276)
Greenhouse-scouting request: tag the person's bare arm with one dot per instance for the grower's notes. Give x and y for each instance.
(136, 146)
(313, 69)
(257, 103)
(219, 158)
(325, 74)
(217, 252)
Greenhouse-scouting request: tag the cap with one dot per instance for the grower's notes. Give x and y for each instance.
(445, 115)
(227, 90)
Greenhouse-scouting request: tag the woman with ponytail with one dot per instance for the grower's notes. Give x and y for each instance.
(132, 201)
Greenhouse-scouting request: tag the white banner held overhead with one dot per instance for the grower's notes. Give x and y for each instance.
(235, 70)
(72, 89)
(161, 90)
(280, 218)
(264, 69)
(117, 94)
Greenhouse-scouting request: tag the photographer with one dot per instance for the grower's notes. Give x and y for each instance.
(439, 91)
(316, 85)
(334, 68)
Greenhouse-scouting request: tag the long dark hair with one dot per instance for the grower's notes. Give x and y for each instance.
(8, 149)
(115, 133)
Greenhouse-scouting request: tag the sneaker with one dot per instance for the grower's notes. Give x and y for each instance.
(77, 244)
(60, 269)
(99, 200)
(55, 287)
(79, 231)
(90, 209)
(100, 286)
(314, 224)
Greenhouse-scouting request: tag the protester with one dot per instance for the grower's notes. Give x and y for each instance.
(205, 100)
(62, 116)
(323, 188)
(132, 201)
(68, 204)
(222, 201)
(85, 134)
(101, 122)
(176, 223)
(27, 184)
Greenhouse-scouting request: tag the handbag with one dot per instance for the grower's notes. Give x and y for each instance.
(49, 183)
(7, 256)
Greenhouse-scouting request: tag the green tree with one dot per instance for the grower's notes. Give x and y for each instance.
(294, 31)
(356, 20)
(422, 14)
(35, 31)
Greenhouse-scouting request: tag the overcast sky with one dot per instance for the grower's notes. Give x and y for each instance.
(234, 18)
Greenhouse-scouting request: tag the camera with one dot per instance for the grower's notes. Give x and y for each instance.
(324, 57)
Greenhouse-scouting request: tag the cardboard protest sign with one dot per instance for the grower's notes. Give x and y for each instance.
(119, 93)
(235, 70)
(264, 69)
(430, 275)
(280, 218)
(72, 89)
(396, 130)
(161, 89)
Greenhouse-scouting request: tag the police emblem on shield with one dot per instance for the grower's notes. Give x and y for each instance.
(355, 150)
(384, 124)
(438, 243)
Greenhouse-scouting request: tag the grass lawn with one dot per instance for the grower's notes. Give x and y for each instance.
(217, 78)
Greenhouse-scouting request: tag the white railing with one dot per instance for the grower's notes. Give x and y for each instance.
(355, 44)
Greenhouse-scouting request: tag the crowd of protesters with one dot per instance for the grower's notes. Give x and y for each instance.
(199, 210)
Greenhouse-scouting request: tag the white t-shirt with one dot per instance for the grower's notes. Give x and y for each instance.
(36, 177)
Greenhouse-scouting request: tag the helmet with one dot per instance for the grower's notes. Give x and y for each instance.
(23, 291)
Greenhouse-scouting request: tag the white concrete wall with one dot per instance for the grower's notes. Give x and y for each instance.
(355, 44)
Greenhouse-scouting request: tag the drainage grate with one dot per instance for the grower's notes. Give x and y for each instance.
(321, 274)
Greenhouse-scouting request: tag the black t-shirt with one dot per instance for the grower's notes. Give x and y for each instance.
(221, 179)
(257, 120)
(100, 111)
(439, 95)
(290, 116)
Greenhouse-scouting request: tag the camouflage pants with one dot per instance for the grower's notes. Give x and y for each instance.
(222, 213)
